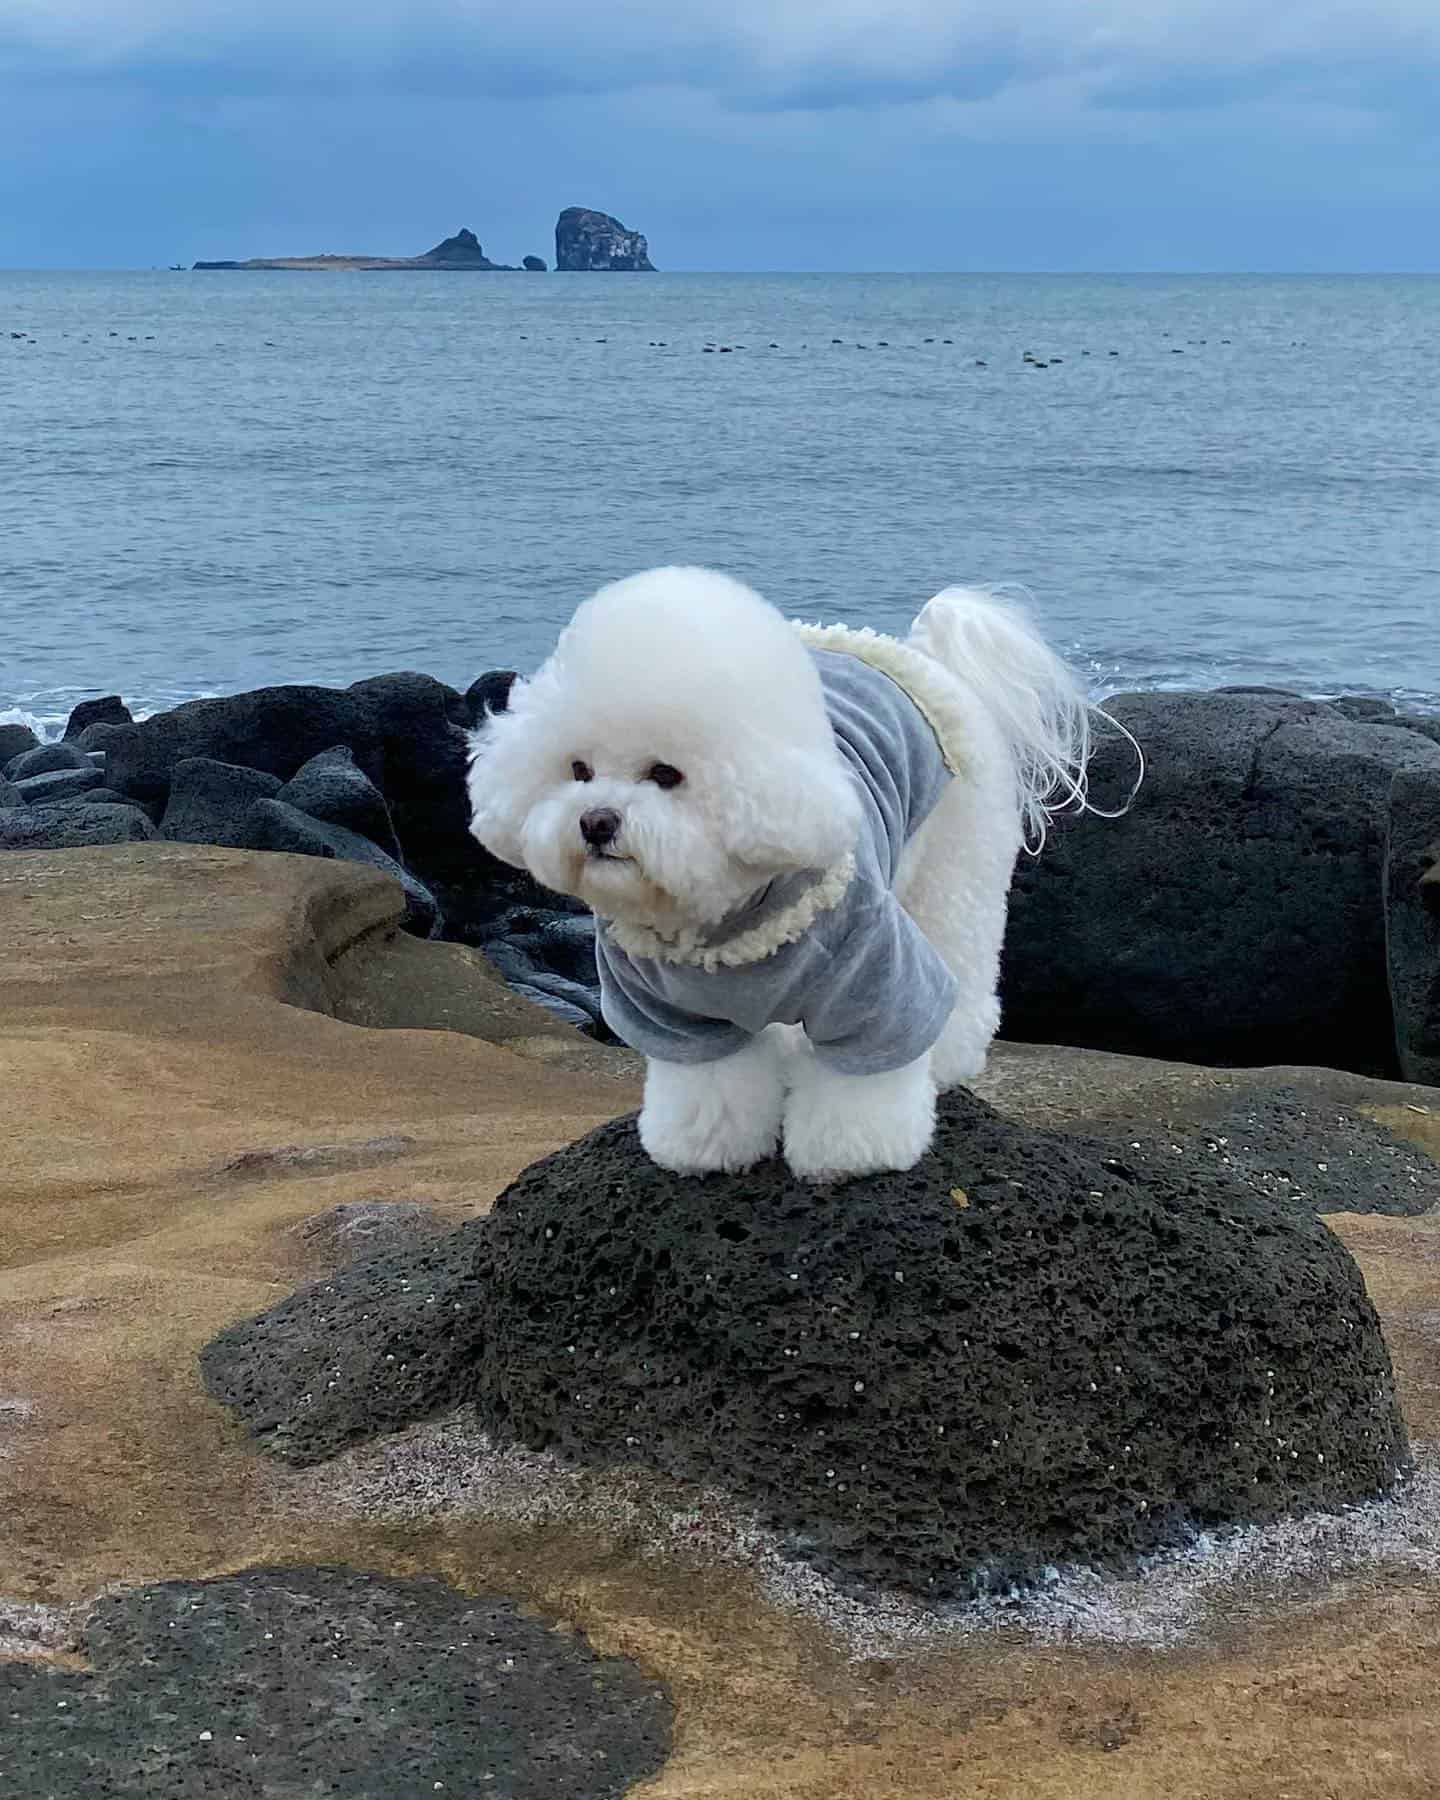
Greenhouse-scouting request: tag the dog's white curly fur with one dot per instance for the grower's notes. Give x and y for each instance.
(688, 668)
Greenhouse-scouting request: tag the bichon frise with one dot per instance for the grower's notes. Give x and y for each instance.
(798, 843)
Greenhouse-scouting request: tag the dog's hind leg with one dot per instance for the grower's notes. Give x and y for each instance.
(954, 881)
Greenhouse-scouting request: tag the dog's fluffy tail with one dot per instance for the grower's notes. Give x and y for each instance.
(987, 642)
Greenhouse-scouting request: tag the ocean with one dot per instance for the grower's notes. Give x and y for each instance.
(210, 482)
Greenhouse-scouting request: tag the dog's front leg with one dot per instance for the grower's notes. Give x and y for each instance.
(701, 1117)
(838, 1125)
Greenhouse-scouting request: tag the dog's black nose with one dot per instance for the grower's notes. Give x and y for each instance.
(600, 827)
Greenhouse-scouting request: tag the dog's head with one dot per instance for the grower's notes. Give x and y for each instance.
(671, 757)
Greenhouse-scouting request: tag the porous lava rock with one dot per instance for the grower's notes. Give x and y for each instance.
(1020, 1353)
(489, 693)
(395, 1338)
(59, 784)
(1235, 914)
(72, 825)
(1412, 921)
(406, 734)
(331, 788)
(110, 710)
(46, 759)
(15, 740)
(309, 1680)
(208, 801)
(355, 1230)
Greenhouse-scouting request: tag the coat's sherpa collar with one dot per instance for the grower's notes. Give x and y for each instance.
(921, 677)
(928, 687)
(820, 891)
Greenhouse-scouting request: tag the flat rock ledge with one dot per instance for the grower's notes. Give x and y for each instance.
(1022, 1353)
(326, 1681)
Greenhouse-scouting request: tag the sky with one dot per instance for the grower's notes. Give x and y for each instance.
(1190, 135)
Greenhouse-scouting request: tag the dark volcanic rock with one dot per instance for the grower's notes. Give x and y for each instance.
(59, 784)
(581, 1018)
(1367, 708)
(1412, 921)
(1016, 1355)
(273, 729)
(392, 1340)
(15, 740)
(535, 264)
(1302, 1151)
(560, 943)
(10, 795)
(112, 710)
(356, 1229)
(593, 240)
(330, 787)
(96, 736)
(46, 759)
(1422, 726)
(1235, 915)
(407, 734)
(489, 693)
(72, 826)
(290, 1681)
(273, 825)
(210, 801)
(539, 983)
(104, 796)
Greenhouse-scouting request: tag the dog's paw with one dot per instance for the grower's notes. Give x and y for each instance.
(713, 1117)
(838, 1126)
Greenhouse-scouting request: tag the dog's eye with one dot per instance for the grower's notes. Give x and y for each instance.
(582, 771)
(664, 775)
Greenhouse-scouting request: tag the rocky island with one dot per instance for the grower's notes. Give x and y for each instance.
(462, 252)
(584, 240)
(587, 241)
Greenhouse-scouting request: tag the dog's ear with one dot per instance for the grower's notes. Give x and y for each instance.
(792, 808)
(500, 796)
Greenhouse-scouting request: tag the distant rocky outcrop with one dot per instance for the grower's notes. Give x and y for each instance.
(461, 253)
(586, 240)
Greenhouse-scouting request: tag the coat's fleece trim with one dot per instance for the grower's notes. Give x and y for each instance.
(752, 946)
(926, 682)
(930, 688)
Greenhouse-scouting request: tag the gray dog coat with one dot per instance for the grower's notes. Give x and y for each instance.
(831, 950)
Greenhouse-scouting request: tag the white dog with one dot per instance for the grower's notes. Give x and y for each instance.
(798, 842)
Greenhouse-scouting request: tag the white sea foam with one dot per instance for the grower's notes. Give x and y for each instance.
(451, 1470)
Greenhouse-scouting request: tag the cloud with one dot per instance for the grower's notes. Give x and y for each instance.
(775, 54)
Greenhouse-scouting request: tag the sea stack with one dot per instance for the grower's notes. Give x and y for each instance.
(586, 240)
